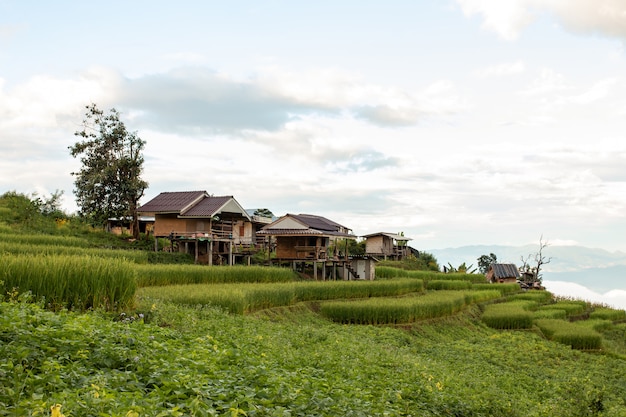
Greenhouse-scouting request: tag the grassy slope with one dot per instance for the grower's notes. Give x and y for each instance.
(199, 361)
(287, 362)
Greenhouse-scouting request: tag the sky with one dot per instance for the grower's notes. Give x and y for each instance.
(457, 122)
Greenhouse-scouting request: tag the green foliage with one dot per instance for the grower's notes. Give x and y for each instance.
(540, 297)
(509, 315)
(70, 282)
(351, 246)
(109, 184)
(485, 261)
(264, 212)
(247, 297)
(448, 285)
(398, 310)
(505, 289)
(571, 308)
(56, 250)
(198, 361)
(605, 313)
(576, 336)
(158, 275)
(30, 213)
(461, 269)
(424, 262)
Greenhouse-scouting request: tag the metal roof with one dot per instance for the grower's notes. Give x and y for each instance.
(172, 202)
(505, 270)
(207, 207)
(391, 235)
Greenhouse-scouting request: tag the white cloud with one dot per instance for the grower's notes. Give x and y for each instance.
(508, 18)
(549, 81)
(614, 298)
(508, 68)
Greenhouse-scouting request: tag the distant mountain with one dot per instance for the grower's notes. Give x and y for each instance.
(596, 269)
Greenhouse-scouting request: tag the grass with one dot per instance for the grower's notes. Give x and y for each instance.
(70, 282)
(509, 315)
(576, 336)
(160, 275)
(243, 298)
(399, 310)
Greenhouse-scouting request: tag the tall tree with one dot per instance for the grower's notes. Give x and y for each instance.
(485, 261)
(109, 184)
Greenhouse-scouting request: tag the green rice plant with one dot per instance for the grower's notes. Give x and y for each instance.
(608, 314)
(480, 296)
(509, 315)
(180, 274)
(539, 296)
(332, 290)
(549, 314)
(567, 333)
(136, 256)
(441, 284)
(395, 310)
(595, 324)
(570, 308)
(242, 298)
(505, 289)
(71, 282)
(383, 272)
(42, 239)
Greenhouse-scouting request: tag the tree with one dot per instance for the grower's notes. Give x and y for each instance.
(539, 260)
(263, 212)
(109, 184)
(485, 261)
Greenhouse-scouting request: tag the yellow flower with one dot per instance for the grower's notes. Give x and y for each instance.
(132, 413)
(55, 411)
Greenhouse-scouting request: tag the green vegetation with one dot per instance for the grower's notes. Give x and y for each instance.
(70, 282)
(401, 310)
(75, 331)
(245, 298)
(578, 337)
(158, 275)
(511, 315)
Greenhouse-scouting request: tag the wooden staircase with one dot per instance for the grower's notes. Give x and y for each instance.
(352, 271)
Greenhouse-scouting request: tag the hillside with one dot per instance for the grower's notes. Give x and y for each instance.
(89, 330)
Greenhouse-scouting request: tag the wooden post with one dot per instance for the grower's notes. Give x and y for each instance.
(324, 271)
(315, 270)
(230, 252)
(211, 251)
(196, 243)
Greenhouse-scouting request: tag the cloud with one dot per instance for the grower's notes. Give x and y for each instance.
(509, 68)
(508, 18)
(614, 298)
(199, 100)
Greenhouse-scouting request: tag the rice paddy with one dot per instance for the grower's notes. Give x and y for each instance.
(70, 282)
